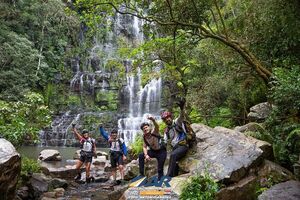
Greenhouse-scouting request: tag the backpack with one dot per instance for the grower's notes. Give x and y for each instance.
(185, 128)
(91, 141)
(162, 144)
(120, 144)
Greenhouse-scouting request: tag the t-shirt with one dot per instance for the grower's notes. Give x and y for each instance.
(87, 144)
(115, 145)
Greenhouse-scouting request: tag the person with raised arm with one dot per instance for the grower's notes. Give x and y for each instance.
(88, 150)
(153, 147)
(118, 151)
(176, 134)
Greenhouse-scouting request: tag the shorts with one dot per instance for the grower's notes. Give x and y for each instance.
(116, 158)
(86, 156)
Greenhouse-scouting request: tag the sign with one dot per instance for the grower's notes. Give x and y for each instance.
(142, 181)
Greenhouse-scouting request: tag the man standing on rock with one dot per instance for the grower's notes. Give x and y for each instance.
(176, 134)
(153, 147)
(88, 150)
(118, 151)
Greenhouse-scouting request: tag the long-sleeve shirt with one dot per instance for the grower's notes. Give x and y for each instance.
(114, 144)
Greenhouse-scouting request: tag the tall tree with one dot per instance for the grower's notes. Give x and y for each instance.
(202, 18)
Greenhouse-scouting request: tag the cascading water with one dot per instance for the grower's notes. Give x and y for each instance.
(143, 102)
(93, 78)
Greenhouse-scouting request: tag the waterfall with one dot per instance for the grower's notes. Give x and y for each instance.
(143, 101)
(94, 78)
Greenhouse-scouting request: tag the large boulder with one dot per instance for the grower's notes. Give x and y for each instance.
(67, 172)
(250, 127)
(100, 161)
(244, 189)
(40, 183)
(274, 171)
(131, 170)
(262, 176)
(226, 154)
(10, 168)
(259, 112)
(49, 155)
(289, 190)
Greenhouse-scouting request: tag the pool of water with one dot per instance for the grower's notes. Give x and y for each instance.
(67, 153)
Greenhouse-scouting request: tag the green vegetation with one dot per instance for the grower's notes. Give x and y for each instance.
(222, 57)
(267, 182)
(199, 187)
(28, 166)
(137, 145)
(22, 120)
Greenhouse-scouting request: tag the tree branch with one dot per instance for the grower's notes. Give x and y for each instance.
(221, 18)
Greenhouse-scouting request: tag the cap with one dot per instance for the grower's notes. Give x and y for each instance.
(165, 114)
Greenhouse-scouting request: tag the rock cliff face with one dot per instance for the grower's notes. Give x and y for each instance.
(241, 163)
(289, 190)
(226, 154)
(10, 167)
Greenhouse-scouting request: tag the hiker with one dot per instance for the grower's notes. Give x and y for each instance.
(88, 150)
(153, 147)
(175, 133)
(118, 151)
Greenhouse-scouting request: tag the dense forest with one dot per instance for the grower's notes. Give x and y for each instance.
(220, 56)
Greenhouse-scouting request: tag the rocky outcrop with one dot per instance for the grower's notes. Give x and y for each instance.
(244, 189)
(57, 193)
(131, 170)
(100, 161)
(259, 112)
(67, 172)
(289, 190)
(49, 155)
(252, 127)
(10, 167)
(226, 154)
(259, 177)
(39, 184)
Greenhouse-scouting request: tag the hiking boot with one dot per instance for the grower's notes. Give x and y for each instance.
(78, 177)
(89, 179)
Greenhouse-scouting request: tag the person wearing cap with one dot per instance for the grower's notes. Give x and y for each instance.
(153, 147)
(175, 134)
(118, 151)
(88, 150)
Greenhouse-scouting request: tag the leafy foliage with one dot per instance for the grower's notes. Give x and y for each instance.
(137, 145)
(286, 90)
(29, 166)
(35, 39)
(23, 119)
(200, 188)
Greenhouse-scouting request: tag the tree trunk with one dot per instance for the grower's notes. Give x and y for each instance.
(261, 70)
